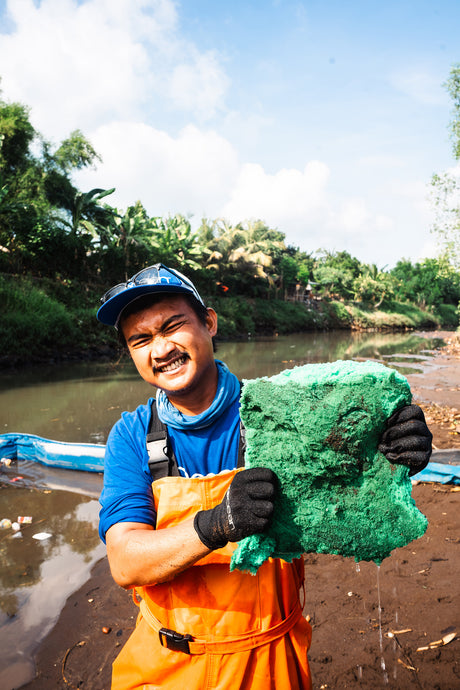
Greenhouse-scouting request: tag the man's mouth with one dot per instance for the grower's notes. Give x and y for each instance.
(171, 366)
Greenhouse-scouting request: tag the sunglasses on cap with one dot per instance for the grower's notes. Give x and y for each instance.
(158, 274)
(157, 278)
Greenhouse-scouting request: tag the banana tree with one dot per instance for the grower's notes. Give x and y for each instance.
(175, 242)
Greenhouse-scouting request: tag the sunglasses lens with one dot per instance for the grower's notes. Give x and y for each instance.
(112, 292)
(148, 276)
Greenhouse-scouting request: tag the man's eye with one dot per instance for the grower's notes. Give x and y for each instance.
(139, 342)
(170, 328)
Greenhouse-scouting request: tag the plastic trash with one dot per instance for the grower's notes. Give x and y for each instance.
(24, 519)
(5, 523)
(40, 536)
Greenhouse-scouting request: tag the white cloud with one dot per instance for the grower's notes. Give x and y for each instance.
(302, 204)
(199, 86)
(428, 250)
(123, 72)
(288, 194)
(189, 173)
(354, 215)
(199, 173)
(79, 65)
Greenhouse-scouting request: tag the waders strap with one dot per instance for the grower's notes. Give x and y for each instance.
(162, 461)
(187, 644)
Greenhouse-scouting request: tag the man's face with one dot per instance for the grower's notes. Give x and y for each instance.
(171, 348)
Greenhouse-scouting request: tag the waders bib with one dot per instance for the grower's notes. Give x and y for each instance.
(212, 628)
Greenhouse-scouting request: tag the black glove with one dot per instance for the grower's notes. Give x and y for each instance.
(246, 509)
(407, 439)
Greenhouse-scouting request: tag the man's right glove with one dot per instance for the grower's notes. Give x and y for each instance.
(246, 509)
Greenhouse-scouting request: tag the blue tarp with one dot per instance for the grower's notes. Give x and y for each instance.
(440, 473)
(444, 467)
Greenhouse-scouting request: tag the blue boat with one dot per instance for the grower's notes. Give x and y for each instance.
(88, 457)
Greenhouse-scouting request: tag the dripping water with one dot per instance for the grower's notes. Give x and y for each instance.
(382, 660)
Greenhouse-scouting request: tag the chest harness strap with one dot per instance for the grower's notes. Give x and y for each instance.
(162, 461)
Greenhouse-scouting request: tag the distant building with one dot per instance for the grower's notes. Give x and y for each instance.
(298, 292)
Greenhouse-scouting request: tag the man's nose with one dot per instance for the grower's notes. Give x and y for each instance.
(161, 347)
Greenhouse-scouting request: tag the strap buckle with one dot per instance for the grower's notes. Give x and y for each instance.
(174, 640)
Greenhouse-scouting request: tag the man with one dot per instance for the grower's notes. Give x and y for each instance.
(171, 539)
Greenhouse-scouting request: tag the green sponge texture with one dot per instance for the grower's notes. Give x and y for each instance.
(318, 427)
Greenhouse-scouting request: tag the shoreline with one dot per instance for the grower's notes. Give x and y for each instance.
(111, 352)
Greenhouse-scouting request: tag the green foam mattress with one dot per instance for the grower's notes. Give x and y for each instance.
(318, 427)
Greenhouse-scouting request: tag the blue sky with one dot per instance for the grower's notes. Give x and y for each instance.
(325, 119)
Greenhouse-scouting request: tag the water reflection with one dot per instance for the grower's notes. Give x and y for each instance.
(36, 577)
(81, 402)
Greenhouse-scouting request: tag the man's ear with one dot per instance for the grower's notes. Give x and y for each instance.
(211, 322)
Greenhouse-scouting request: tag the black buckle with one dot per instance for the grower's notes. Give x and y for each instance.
(174, 640)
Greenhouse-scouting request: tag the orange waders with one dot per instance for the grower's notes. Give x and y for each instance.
(223, 629)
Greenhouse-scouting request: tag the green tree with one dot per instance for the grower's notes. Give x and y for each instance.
(23, 202)
(38, 201)
(430, 282)
(175, 243)
(335, 273)
(373, 285)
(245, 256)
(132, 236)
(446, 185)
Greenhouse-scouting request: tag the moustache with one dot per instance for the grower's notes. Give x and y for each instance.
(156, 369)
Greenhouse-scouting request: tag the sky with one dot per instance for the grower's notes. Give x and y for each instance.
(325, 119)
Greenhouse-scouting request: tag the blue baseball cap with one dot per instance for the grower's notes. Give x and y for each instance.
(151, 280)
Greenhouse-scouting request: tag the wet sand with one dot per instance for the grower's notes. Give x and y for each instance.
(418, 587)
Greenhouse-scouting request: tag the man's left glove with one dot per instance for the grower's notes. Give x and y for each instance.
(407, 439)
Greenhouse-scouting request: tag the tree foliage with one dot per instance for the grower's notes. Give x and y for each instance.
(52, 230)
(446, 185)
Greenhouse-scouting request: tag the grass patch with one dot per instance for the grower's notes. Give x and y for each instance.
(33, 323)
(391, 315)
(240, 317)
(42, 318)
(448, 315)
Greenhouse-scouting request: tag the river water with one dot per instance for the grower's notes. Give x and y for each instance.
(79, 402)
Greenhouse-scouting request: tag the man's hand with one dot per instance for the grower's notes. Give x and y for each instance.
(246, 509)
(407, 439)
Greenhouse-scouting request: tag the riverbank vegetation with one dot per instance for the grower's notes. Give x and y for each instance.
(61, 247)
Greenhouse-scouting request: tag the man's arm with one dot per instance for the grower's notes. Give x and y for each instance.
(140, 555)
